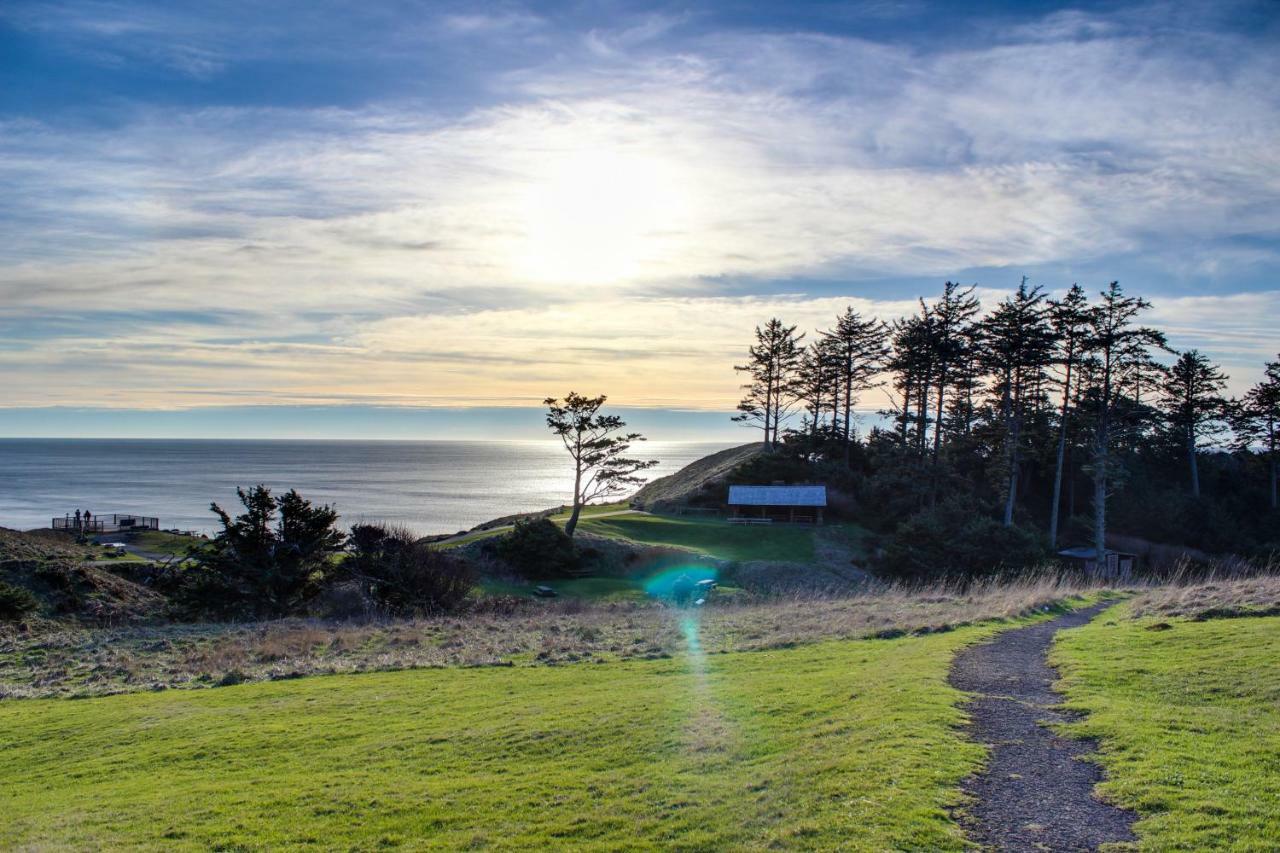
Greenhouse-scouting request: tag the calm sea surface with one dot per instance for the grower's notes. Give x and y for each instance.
(430, 486)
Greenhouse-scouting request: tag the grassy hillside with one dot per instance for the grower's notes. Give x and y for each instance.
(850, 744)
(65, 585)
(675, 489)
(711, 536)
(1188, 713)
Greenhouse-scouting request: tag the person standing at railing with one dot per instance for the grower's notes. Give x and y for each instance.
(88, 520)
(77, 519)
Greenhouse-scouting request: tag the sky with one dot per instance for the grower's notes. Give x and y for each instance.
(312, 218)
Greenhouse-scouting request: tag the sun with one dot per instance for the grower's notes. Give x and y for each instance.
(601, 216)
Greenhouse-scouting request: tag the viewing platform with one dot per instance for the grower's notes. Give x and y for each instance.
(114, 523)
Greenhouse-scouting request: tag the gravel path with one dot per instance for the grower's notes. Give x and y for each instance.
(1035, 794)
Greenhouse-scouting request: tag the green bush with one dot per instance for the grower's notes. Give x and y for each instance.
(404, 576)
(958, 539)
(16, 602)
(268, 561)
(538, 548)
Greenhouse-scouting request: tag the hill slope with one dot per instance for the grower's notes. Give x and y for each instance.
(66, 584)
(676, 489)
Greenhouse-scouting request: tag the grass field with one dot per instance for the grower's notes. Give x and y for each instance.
(714, 537)
(159, 542)
(591, 589)
(847, 743)
(1188, 714)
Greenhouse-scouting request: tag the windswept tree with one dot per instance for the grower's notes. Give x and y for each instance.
(1194, 405)
(1070, 319)
(268, 560)
(598, 447)
(1257, 420)
(774, 369)
(859, 347)
(1017, 349)
(1118, 350)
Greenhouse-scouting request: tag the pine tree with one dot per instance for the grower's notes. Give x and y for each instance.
(774, 367)
(1258, 419)
(1018, 346)
(859, 348)
(1070, 318)
(1119, 349)
(1194, 405)
(951, 317)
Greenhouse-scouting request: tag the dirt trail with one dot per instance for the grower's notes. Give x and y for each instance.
(1035, 793)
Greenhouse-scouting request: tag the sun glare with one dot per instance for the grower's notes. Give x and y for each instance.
(600, 216)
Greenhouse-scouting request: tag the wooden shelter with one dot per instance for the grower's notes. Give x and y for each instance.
(766, 504)
(1114, 564)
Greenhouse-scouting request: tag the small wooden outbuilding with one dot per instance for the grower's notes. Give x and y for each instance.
(1114, 564)
(765, 504)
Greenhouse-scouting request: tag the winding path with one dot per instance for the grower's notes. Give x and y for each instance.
(1035, 794)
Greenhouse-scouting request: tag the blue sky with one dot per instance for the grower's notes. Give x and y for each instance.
(319, 212)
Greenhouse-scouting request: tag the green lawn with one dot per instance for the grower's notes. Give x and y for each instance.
(159, 542)
(850, 744)
(1189, 722)
(712, 536)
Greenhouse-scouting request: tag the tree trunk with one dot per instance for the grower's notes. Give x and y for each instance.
(923, 429)
(1191, 458)
(1271, 435)
(848, 415)
(768, 409)
(1012, 497)
(1100, 502)
(937, 427)
(1062, 456)
(1007, 405)
(572, 523)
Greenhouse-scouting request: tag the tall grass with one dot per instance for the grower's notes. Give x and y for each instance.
(508, 632)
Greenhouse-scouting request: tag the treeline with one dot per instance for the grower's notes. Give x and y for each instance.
(1048, 417)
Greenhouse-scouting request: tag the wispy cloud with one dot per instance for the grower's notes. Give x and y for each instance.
(598, 206)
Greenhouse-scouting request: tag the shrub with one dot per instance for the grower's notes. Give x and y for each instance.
(268, 561)
(957, 539)
(16, 602)
(404, 576)
(538, 548)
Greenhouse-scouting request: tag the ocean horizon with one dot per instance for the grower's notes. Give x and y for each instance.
(429, 486)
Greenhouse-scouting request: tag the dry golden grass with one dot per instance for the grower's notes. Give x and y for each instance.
(1212, 598)
(86, 661)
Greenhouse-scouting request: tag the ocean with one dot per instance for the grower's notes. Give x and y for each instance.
(428, 486)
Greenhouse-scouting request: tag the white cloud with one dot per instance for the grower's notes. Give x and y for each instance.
(602, 181)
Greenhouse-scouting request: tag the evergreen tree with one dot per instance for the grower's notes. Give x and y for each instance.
(1257, 419)
(1070, 319)
(267, 561)
(1017, 348)
(1119, 350)
(1194, 406)
(598, 447)
(774, 368)
(859, 347)
(948, 322)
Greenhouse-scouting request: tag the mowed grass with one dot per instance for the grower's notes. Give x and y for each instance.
(1188, 714)
(849, 744)
(714, 537)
